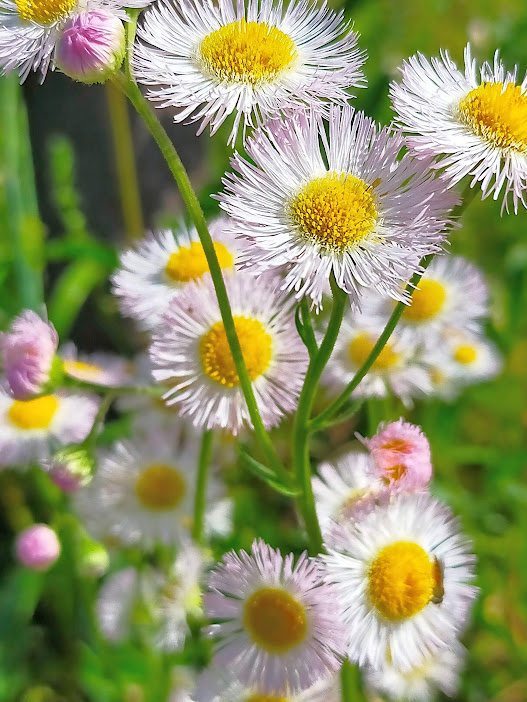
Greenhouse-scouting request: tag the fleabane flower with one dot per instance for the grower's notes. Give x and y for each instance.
(31, 30)
(342, 203)
(440, 672)
(99, 368)
(475, 121)
(30, 429)
(401, 454)
(153, 272)
(28, 351)
(254, 59)
(213, 688)
(279, 627)
(397, 370)
(190, 352)
(403, 574)
(451, 294)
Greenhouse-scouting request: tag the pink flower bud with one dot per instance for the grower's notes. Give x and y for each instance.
(91, 46)
(28, 350)
(402, 455)
(37, 547)
(70, 468)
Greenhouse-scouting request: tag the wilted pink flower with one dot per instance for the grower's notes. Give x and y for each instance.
(37, 547)
(28, 350)
(402, 455)
(91, 46)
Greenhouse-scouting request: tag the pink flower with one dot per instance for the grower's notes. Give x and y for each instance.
(28, 350)
(402, 455)
(37, 547)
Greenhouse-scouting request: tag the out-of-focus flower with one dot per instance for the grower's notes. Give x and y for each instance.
(281, 627)
(115, 602)
(403, 575)
(253, 59)
(37, 547)
(190, 351)
(70, 468)
(477, 124)
(212, 687)
(314, 204)
(99, 368)
(28, 351)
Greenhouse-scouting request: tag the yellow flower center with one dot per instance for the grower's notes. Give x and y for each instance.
(266, 698)
(275, 620)
(44, 11)
(396, 445)
(395, 472)
(335, 211)
(189, 262)
(33, 414)
(160, 487)
(497, 115)
(247, 52)
(216, 357)
(82, 369)
(426, 301)
(402, 580)
(465, 354)
(361, 347)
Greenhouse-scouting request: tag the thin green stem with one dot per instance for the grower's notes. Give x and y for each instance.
(201, 485)
(105, 405)
(301, 458)
(150, 390)
(319, 423)
(177, 169)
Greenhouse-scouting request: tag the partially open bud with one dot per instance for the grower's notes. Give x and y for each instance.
(37, 547)
(91, 46)
(28, 351)
(71, 468)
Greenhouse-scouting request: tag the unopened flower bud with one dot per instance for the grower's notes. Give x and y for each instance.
(91, 46)
(37, 547)
(93, 557)
(71, 468)
(28, 351)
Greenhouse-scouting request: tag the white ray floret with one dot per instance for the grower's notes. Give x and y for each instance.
(403, 574)
(345, 204)
(212, 59)
(212, 687)
(475, 121)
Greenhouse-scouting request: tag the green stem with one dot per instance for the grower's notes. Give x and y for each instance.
(106, 402)
(201, 485)
(149, 390)
(301, 459)
(144, 110)
(350, 683)
(319, 423)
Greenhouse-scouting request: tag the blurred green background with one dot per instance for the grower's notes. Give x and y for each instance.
(60, 237)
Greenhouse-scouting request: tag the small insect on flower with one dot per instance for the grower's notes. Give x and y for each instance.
(477, 124)
(280, 626)
(30, 31)
(191, 353)
(151, 274)
(312, 204)
(403, 574)
(253, 59)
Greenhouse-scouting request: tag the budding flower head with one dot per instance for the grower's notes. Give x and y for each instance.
(37, 547)
(28, 353)
(71, 468)
(93, 558)
(91, 46)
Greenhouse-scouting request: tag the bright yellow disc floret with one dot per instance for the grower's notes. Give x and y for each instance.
(361, 347)
(189, 262)
(44, 11)
(33, 414)
(427, 301)
(160, 487)
(275, 620)
(465, 354)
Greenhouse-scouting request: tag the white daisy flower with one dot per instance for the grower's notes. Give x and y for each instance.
(209, 60)
(30, 29)
(115, 603)
(451, 293)
(212, 687)
(153, 272)
(143, 493)
(342, 203)
(190, 350)
(403, 575)
(31, 429)
(476, 120)
(279, 626)
(99, 368)
(397, 370)
(439, 673)
(343, 486)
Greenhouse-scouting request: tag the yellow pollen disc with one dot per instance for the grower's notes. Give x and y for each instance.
(216, 357)
(33, 414)
(247, 52)
(80, 368)
(402, 580)
(361, 347)
(266, 698)
(426, 302)
(497, 115)
(189, 262)
(44, 11)
(396, 472)
(275, 620)
(160, 487)
(335, 211)
(465, 354)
